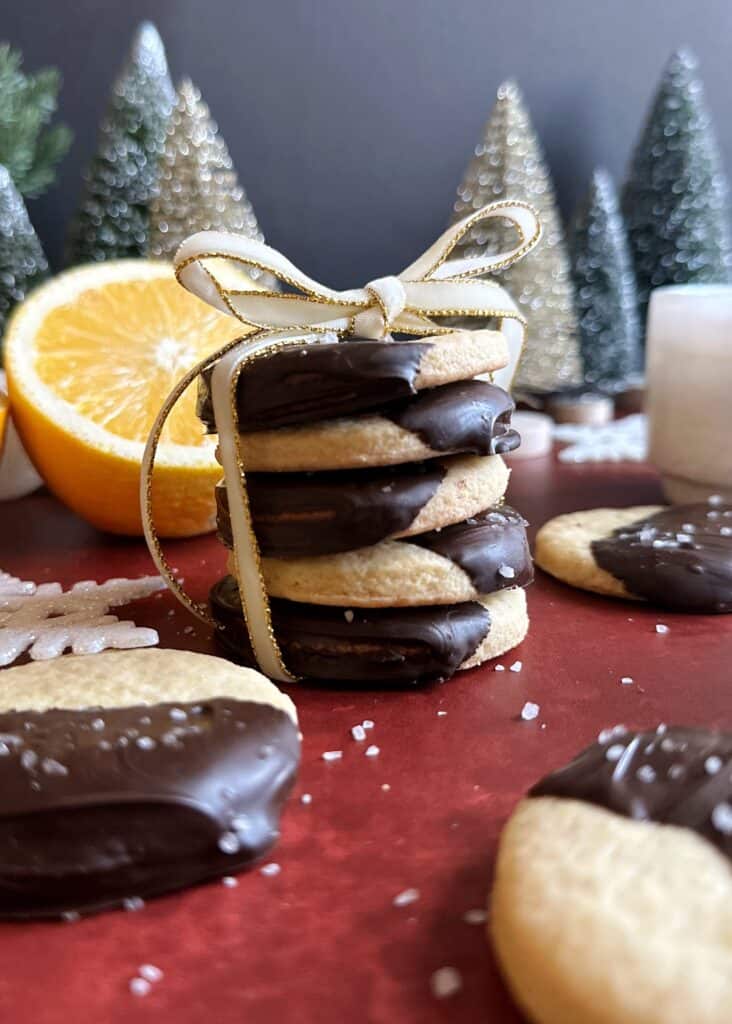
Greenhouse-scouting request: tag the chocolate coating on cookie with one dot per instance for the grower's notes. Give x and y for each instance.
(490, 548)
(105, 804)
(675, 776)
(395, 646)
(469, 416)
(680, 558)
(309, 383)
(325, 513)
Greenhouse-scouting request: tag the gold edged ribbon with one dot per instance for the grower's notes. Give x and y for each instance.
(434, 286)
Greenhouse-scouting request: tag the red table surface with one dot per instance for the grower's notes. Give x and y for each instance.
(322, 941)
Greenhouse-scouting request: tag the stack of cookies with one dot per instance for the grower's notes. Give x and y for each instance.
(376, 484)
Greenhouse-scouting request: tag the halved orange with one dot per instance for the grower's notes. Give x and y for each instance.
(90, 357)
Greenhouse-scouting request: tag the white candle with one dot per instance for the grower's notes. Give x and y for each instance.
(689, 402)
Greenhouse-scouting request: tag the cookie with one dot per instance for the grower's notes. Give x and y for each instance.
(323, 513)
(458, 563)
(470, 416)
(678, 557)
(128, 774)
(309, 383)
(382, 646)
(613, 890)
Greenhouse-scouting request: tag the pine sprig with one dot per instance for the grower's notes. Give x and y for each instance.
(28, 147)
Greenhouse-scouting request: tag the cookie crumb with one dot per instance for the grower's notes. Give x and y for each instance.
(372, 751)
(270, 870)
(332, 755)
(476, 916)
(445, 982)
(662, 628)
(529, 711)
(403, 899)
(516, 667)
(359, 733)
(348, 615)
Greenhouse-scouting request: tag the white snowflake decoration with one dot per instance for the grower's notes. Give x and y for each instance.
(45, 621)
(617, 441)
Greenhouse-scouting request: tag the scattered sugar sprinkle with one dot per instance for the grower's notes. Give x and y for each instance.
(529, 711)
(662, 628)
(441, 714)
(228, 842)
(713, 764)
(715, 499)
(306, 798)
(150, 972)
(646, 773)
(385, 787)
(145, 743)
(229, 882)
(53, 767)
(133, 903)
(139, 986)
(270, 870)
(676, 771)
(626, 680)
(507, 572)
(372, 751)
(97, 724)
(499, 668)
(516, 667)
(615, 752)
(445, 982)
(404, 898)
(722, 818)
(332, 755)
(476, 916)
(70, 916)
(359, 733)
(367, 723)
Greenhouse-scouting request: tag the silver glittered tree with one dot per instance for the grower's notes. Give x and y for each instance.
(606, 298)
(509, 164)
(675, 200)
(112, 221)
(198, 188)
(22, 261)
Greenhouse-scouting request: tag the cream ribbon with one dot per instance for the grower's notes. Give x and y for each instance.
(433, 286)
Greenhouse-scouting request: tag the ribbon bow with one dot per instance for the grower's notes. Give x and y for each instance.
(433, 286)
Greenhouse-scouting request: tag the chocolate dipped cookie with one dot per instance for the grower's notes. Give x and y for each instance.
(128, 774)
(613, 884)
(678, 557)
(379, 646)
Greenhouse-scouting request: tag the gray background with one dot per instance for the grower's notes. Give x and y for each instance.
(350, 121)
